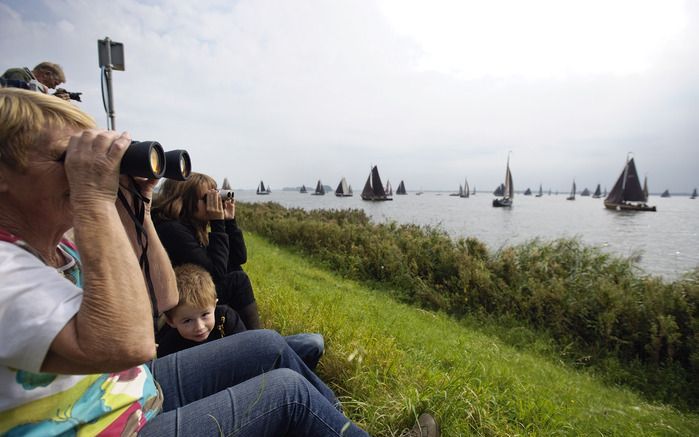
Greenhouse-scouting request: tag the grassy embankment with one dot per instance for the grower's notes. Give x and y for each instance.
(389, 361)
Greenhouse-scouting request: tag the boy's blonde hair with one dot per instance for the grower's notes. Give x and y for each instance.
(195, 287)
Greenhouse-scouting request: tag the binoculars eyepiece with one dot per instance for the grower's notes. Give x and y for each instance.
(149, 160)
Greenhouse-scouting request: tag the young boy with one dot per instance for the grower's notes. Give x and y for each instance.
(197, 319)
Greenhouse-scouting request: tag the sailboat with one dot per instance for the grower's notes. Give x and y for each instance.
(598, 192)
(343, 189)
(585, 193)
(474, 190)
(694, 194)
(373, 188)
(645, 186)
(666, 193)
(572, 192)
(303, 189)
(541, 191)
(528, 192)
(389, 188)
(458, 193)
(261, 189)
(500, 190)
(508, 189)
(320, 189)
(465, 193)
(626, 190)
(401, 188)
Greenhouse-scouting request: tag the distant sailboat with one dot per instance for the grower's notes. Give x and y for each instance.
(320, 189)
(303, 189)
(572, 192)
(389, 188)
(694, 194)
(508, 189)
(666, 193)
(474, 190)
(458, 193)
(226, 185)
(343, 189)
(528, 192)
(401, 188)
(465, 192)
(541, 191)
(261, 189)
(585, 193)
(626, 190)
(598, 192)
(645, 186)
(500, 190)
(373, 188)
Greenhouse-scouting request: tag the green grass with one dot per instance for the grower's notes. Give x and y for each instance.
(388, 362)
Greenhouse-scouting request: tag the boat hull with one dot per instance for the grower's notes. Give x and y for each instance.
(343, 195)
(629, 207)
(502, 203)
(376, 199)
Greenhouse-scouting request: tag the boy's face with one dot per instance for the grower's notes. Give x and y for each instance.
(194, 324)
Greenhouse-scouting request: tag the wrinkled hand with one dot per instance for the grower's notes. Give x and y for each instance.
(229, 209)
(92, 165)
(214, 206)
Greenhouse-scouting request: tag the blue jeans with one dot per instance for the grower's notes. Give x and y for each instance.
(248, 384)
(309, 347)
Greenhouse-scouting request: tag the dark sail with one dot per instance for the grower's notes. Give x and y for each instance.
(598, 192)
(628, 187)
(343, 189)
(373, 188)
(401, 188)
(320, 189)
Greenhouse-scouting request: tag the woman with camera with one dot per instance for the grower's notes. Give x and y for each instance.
(76, 335)
(196, 226)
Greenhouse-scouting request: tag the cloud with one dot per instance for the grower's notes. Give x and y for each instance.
(295, 91)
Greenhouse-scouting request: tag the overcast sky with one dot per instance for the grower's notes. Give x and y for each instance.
(290, 91)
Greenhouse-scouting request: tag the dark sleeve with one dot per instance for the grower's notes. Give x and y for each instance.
(238, 254)
(232, 323)
(182, 246)
(169, 341)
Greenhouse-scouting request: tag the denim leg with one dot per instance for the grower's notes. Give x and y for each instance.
(201, 371)
(310, 347)
(277, 403)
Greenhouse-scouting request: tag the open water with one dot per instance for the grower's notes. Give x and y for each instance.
(665, 242)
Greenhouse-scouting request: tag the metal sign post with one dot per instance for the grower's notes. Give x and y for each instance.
(111, 57)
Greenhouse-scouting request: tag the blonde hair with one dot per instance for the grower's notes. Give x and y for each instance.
(26, 120)
(178, 201)
(195, 287)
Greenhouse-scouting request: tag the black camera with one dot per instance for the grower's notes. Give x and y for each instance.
(147, 159)
(60, 92)
(226, 194)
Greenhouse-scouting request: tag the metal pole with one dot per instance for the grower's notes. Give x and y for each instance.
(108, 77)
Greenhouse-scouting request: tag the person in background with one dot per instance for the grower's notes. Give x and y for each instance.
(197, 319)
(44, 76)
(197, 227)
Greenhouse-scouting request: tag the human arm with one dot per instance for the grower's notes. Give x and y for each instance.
(160, 268)
(238, 254)
(112, 330)
(183, 247)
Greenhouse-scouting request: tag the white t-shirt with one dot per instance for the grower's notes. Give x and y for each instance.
(36, 302)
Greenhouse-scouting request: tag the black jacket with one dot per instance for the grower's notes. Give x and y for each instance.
(228, 322)
(226, 250)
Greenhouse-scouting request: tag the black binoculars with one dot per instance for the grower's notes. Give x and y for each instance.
(147, 159)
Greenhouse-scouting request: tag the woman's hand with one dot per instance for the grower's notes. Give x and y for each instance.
(92, 165)
(229, 207)
(214, 206)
